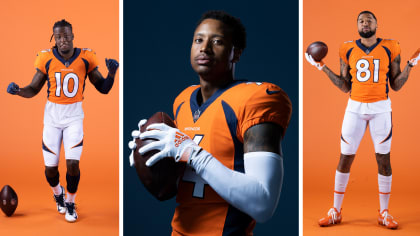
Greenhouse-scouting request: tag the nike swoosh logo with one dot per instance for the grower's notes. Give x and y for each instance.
(270, 92)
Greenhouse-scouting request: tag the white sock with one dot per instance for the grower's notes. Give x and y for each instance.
(70, 197)
(57, 189)
(384, 183)
(341, 180)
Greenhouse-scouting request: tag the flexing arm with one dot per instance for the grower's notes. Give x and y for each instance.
(255, 192)
(397, 78)
(101, 84)
(342, 81)
(32, 89)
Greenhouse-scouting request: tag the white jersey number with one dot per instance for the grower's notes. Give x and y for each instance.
(363, 73)
(65, 84)
(191, 176)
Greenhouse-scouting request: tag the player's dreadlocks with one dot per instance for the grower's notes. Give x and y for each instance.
(236, 27)
(61, 23)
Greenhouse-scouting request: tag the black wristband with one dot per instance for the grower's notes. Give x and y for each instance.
(409, 64)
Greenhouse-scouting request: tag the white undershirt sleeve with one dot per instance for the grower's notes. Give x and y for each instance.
(255, 192)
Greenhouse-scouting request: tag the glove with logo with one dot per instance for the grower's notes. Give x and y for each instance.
(318, 64)
(413, 60)
(171, 143)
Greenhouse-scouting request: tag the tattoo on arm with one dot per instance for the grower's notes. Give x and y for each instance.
(397, 77)
(342, 81)
(263, 137)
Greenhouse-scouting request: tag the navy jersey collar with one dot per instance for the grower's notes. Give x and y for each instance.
(68, 62)
(197, 110)
(365, 49)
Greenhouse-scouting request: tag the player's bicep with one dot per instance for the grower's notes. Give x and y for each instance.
(395, 69)
(38, 81)
(344, 70)
(264, 137)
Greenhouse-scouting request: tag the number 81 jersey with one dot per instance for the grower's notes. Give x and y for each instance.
(369, 68)
(66, 78)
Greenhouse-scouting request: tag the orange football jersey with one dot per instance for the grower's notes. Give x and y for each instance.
(369, 68)
(218, 126)
(66, 78)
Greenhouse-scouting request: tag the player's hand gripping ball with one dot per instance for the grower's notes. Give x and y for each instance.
(315, 53)
(8, 200)
(161, 178)
(317, 50)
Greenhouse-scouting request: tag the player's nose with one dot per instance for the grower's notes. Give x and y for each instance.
(205, 46)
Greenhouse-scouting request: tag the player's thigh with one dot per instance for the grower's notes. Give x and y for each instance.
(380, 127)
(51, 144)
(352, 131)
(73, 140)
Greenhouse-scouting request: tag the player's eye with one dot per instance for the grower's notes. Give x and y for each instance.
(198, 40)
(217, 41)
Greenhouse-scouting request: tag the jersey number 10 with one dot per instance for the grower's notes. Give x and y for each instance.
(363, 73)
(65, 84)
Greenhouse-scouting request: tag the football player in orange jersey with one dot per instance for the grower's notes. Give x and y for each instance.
(64, 68)
(367, 65)
(229, 134)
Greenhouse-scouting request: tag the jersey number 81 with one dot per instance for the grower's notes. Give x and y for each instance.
(363, 73)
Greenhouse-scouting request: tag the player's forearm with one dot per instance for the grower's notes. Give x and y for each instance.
(400, 79)
(105, 85)
(340, 82)
(27, 92)
(255, 192)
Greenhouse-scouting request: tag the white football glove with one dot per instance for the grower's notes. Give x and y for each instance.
(318, 65)
(132, 144)
(416, 56)
(171, 143)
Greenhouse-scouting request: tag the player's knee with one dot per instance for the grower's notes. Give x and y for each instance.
(73, 167)
(72, 182)
(345, 163)
(52, 175)
(384, 164)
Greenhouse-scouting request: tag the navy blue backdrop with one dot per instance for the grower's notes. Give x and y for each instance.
(157, 40)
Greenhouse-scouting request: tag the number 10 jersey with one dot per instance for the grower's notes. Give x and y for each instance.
(66, 78)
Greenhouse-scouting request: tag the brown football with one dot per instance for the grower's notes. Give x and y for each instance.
(8, 200)
(161, 178)
(318, 50)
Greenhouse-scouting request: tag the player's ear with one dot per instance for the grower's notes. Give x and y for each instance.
(236, 54)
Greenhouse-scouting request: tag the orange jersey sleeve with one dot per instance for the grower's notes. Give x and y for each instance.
(91, 58)
(41, 60)
(269, 103)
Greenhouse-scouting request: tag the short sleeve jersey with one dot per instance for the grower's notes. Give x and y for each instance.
(218, 126)
(369, 68)
(66, 78)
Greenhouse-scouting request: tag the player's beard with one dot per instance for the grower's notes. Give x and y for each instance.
(367, 34)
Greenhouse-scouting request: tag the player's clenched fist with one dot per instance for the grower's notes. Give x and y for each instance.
(13, 88)
(416, 56)
(112, 65)
(319, 65)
